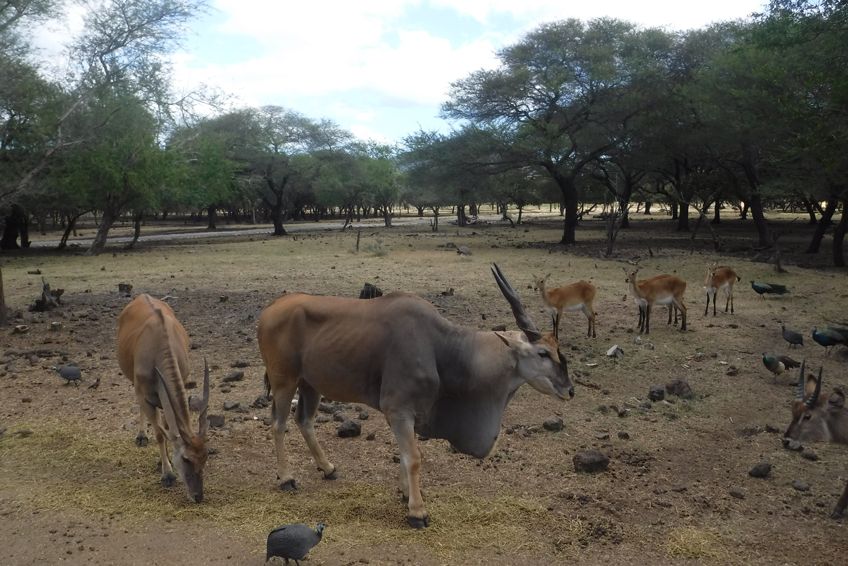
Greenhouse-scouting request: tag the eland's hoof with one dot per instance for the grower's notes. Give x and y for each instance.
(288, 485)
(418, 522)
(332, 475)
(141, 441)
(168, 480)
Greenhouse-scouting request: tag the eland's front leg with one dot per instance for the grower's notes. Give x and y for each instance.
(403, 428)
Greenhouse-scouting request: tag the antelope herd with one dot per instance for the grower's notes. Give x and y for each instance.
(397, 354)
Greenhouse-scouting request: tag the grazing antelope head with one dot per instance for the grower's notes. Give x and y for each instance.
(576, 296)
(153, 354)
(424, 373)
(818, 420)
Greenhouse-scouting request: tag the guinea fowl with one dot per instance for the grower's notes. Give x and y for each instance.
(778, 364)
(828, 338)
(794, 338)
(768, 288)
(69, 373)
(293, 541)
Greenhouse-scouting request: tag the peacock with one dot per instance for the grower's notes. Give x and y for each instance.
(829, 338)
(768, 288)
(778, 364)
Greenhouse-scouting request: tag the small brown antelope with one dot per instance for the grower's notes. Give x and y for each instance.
(665, 290)
(153, 354)
(574, 297)
(641, 303)
(720, 278)
(397, 354)
(818, 420)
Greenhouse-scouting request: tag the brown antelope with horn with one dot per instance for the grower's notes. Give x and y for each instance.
(153, 354)
(398, 355)
(819, 420)
(720, 278)
(659, 290)
(577, 296)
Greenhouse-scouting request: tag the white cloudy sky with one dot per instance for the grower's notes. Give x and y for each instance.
(382, 68)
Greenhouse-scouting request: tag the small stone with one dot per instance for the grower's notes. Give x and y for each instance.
(553, 425)
(371, 436)
(363, 415)
(499, 328)
(656, 393)
(590, 461)
(349, 429)
(615, 352)
(681, 388)
(800, 485)
(624, 435)
(761, 470)
(732, 371)
(55, 326)
(339, 417)
(737, 493)
(261, 402)
(793, 445)
(809, 455)
(240, 364)
(216, 421)
(234, 376)
(231, 405)
(772, 429)
(602, 436)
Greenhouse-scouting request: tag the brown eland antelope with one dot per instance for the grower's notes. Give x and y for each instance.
(573, 297)
(397, 354)
(663, 290)
(720, 278)
(818, 420)
(153, 354)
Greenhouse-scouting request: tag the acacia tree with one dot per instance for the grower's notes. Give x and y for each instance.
(557, 99)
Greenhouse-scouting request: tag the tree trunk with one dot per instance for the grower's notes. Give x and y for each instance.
(387, 217)
(212, 217)
(683, 217)
(759, 217)
(717, 213)
(461, 219)
(420, 211)
(3, 311)
(106, 222)
(569, 205)
(839, 237)
(675, 209)
(823, 225)
(743, 214)
(648, 207)
(277, 219)
(435, 219)
(811, 210)
(70, 227)
(520, 210)
(136, 229)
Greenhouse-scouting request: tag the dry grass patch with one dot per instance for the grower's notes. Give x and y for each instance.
(695, 543)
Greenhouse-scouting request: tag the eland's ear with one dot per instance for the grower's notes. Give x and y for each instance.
(837, 400)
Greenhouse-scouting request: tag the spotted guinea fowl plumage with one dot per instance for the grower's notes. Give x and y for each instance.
(794, 338)
(293, 542)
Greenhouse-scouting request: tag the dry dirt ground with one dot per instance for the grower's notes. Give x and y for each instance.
(75, 489)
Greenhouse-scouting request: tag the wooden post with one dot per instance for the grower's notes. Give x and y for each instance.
(358, 235)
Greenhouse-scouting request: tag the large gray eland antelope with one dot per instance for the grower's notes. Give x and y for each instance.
(153, 354)
(397, 354)
(815, 419)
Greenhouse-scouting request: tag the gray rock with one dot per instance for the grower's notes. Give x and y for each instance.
(624, 435)
(809, 455)
(602, 436)
(656, 393)
(234, 376)
(261, 402)
(339, 417)
(794, 445)
(737, 493)
(732, 371)
(590, 461)
(349, 429)
(371, 436)
(761, 470)
(240, 364)
(681, 388)
(553, 425)
(800, 485)
(216, 421)
(363, 415)
(231, 405)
